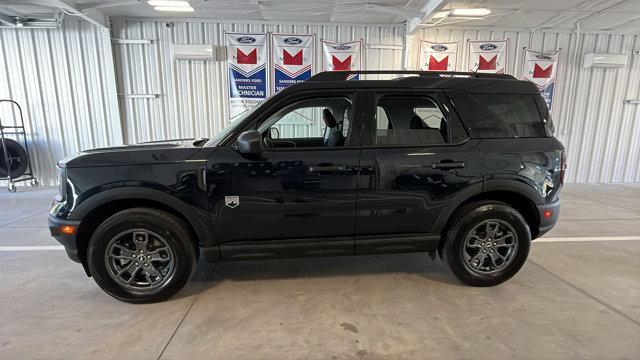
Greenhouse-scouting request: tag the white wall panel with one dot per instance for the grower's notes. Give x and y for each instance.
(65, 82)
(600, 131)
(193, 99)
(67, 85)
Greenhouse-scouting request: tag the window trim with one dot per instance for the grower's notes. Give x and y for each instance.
(451, 93)
(435, 95)
(355, 95)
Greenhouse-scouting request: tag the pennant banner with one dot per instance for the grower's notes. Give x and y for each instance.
(292, 57)
(247, 61)
(540, 68)
(438, 56)
(342, 56)
(488, 56)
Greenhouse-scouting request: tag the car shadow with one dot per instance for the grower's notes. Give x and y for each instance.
(210, 275)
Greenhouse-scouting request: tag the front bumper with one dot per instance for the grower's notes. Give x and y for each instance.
(68, 241)
(548, 223)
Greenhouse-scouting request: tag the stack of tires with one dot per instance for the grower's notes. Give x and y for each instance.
(18, 159)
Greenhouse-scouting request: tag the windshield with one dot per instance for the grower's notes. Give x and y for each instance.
(216, 139)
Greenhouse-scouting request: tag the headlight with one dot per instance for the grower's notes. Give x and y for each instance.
(62, 182)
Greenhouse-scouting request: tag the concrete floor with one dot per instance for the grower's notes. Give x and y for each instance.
(572, 299)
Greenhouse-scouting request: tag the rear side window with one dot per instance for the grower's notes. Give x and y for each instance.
(409, 120)
(499, 115)
(546, 116)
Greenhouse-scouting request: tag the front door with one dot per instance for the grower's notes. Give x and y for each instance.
(298, 197)
(415, 158)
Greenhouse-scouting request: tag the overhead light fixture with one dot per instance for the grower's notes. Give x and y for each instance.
(471, 12)
(171, 5)
(441, 14)
(174, 8)
(168, 3)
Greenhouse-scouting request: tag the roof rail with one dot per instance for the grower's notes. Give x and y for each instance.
(343, 75)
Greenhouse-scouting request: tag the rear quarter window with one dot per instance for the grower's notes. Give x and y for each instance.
(499, 115)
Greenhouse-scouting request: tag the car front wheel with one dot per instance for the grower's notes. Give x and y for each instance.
(488, 243)
(141, 255)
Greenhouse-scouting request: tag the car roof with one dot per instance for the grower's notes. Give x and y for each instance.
(469, 82)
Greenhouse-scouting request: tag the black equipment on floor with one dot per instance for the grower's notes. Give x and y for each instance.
(15, 165)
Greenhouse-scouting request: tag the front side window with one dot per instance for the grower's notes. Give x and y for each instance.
(409, 121)
(315, 122)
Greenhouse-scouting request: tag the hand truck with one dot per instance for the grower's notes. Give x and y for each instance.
(17, 130)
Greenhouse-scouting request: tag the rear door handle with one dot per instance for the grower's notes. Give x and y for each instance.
(449, 165)
(326, 168)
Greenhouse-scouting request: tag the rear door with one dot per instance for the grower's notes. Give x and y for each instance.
(416, 156)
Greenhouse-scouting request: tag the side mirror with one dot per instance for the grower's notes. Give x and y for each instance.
(250, 142)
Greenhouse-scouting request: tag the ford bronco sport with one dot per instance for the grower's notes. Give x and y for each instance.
(463, 166)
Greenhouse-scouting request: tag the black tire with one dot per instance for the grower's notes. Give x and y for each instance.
(18, 159)
(473, 217)
(173, 231)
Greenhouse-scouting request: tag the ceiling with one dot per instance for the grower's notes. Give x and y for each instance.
(594, 15)
(281, 10)
(589, 15)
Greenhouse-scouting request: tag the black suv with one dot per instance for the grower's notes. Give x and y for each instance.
(459, 165)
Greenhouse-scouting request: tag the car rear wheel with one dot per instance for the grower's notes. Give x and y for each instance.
(488, 243)
(141, 255)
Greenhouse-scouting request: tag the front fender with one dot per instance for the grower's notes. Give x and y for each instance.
(197, 218)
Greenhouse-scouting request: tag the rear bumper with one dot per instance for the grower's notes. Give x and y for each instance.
(548, 223)
(68, 241)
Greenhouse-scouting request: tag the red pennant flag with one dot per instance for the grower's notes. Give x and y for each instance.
(539, 72)
(343, 65)
(250, 58)
(438, 65)
(483, 64)
(288, 59)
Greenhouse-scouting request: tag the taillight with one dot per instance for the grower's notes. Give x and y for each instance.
(563, 166)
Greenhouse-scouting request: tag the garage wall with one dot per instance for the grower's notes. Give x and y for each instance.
(65, 82)
(193, 95)
(601, 132)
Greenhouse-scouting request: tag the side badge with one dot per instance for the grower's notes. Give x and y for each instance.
(232, 201)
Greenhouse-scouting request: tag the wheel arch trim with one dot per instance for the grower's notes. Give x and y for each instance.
(198, 220)
(482, 188)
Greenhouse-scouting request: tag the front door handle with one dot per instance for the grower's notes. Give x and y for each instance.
(448, 165)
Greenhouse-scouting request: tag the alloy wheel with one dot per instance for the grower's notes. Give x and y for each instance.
(139, 259)
(490, 247)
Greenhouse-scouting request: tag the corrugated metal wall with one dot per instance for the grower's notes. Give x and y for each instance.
(193, 95)
(66, 83)
(64, 80)
(601, 132)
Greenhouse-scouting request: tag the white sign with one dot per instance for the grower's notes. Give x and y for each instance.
(488, 56)
(247, 61)
(342, 56)
(293, 59)
(438, 56)
(540, 68)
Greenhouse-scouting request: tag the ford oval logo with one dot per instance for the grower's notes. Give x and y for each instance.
(439, 47)
(342, 47)
(246, 40)
(292, 41)
(543, 57)
(488, 47)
